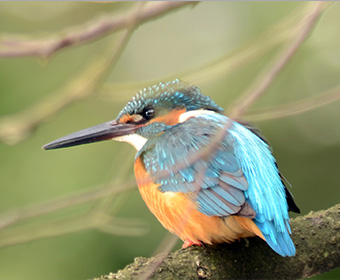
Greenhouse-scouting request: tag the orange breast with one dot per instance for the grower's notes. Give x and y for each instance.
(179, 214)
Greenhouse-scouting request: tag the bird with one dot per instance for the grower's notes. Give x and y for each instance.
(232, 191)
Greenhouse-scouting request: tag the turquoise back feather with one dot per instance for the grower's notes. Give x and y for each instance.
(266, 192)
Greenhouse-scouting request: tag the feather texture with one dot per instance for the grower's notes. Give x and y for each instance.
(241, 174)
(178, 213)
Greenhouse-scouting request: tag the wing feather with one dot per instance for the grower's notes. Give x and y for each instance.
(240, 178)
(218, 183)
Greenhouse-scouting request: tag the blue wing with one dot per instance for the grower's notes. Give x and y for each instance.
(242, 172)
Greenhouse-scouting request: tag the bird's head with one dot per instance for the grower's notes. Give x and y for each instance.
(152, 111)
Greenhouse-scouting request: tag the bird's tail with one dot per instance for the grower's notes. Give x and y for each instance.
(279, 241)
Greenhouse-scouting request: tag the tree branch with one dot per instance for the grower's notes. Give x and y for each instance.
(316, 237)
(13, 47)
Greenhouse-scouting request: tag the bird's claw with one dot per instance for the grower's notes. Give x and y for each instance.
(188, 243)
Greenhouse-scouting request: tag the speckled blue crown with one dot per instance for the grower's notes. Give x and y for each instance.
(174, 94)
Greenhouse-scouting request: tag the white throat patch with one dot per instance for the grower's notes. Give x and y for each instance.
(134, 139)
(183, 117)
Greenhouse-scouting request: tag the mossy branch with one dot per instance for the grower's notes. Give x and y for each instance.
(316, 237)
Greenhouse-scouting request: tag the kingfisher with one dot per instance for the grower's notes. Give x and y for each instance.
(234, 191)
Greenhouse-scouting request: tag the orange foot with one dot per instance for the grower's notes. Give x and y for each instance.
(188, 243)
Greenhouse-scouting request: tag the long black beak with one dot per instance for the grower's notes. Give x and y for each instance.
(101, 132)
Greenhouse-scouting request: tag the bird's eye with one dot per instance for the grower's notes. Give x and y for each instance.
(148, 113)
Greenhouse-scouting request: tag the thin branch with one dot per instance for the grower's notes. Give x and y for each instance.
(23, 229)
(100, 221)
(268, 75)
(44, 208)
(294, 108)
(12, 47)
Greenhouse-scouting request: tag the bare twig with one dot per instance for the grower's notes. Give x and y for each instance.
(44, 208)
(51, 228)
(12, 47)
(17, 127)
(295, 108)
(268, 75)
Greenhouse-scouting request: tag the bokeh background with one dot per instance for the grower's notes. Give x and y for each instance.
(197, 43)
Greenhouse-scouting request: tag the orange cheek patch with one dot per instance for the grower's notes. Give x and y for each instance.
(171, 118)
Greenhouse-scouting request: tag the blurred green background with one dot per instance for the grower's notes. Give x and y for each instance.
(186, 43)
